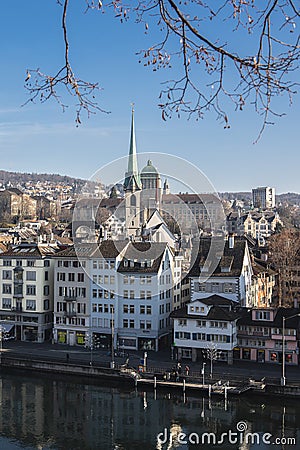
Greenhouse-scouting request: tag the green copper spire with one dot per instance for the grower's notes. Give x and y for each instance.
(132, 178)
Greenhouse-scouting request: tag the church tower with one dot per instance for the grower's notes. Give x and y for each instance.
(132, 188)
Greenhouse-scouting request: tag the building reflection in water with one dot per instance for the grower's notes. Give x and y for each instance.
(49, 413)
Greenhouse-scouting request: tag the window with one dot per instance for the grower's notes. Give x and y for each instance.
(71, 276)
(31, 304)
(46, 263)
(125, 309)
(6, 303)
(148, 325)
(112, 279)
(131, 309)
(131, 323)
(61, 276)
(46, 304)
(142, 294)
(30, 275)
(142, 324)
(106, 308)
(182, 322)
(132, 294)
(125, 294)
(106, 278)
(19, 263)
(148, 279)
(125, 323)
(30, 263)
(30, 289)
(142, 309)
(46, 275)
(46, 290)
(149, 309)
(148, 295)
(7, 262)
(7, 274)
(100, 308)
(6, 288)
(80, 277)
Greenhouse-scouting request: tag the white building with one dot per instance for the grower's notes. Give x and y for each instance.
(118, 289)
(263, 197)
(206, 325)
(231, 277)
(26, 298)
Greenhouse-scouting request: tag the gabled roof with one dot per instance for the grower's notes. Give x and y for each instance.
(216, 300)
(215, 313)
(108, 249)
(235, 255)
(30, 251)
(246, 318)
(138, 253)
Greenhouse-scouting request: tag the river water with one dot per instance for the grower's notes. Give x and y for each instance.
(46, 412)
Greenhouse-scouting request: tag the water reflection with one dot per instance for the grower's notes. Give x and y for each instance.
(48, 413)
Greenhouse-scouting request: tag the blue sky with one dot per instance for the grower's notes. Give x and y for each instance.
(41, 138)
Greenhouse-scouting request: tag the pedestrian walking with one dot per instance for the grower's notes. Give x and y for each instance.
(187, 370)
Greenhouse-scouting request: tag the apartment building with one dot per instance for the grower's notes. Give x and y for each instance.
(263, 197)
(118, 290)
(255, 224)
(232, 276)
(206, 325)
(26, 299)
(260, 335)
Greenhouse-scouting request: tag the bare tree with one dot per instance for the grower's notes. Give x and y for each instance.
(284, 249)
(257, 63)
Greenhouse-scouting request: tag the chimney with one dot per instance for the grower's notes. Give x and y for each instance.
(231, 241)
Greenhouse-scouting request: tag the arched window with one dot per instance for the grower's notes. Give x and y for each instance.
(132, 200)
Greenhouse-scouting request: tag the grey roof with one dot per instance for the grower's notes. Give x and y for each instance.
(235, 255)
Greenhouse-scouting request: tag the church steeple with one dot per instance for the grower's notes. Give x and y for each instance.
(132, 180)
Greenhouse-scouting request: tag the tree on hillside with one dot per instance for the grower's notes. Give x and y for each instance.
(254, 63)
(284, 249)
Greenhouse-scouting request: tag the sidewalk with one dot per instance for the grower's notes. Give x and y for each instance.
(160, 360)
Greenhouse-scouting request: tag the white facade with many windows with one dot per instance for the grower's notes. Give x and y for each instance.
(120, 289)
(26, 296)
(205, 325)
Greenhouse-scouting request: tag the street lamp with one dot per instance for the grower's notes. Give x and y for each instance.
(203, 372)
(283, 378)
(112, 364)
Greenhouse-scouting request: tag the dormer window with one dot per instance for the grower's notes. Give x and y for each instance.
(131, 263)
(125, 263)
(262, 315)
(149, 263)
(226, 264)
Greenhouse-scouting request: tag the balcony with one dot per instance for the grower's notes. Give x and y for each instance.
(70, 298)
(16, 308)
(70, 313)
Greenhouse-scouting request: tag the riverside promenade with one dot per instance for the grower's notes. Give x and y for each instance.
(157, 363)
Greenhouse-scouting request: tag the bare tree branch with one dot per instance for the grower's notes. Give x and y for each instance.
(212, 74)
(42, 86)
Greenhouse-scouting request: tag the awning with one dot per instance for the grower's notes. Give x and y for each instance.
(6, 327)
